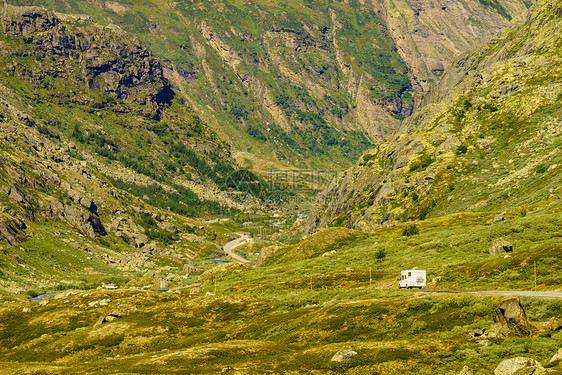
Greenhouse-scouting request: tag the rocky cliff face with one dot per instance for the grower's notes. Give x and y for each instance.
(85, 55)
(431, 34)
(485, 138)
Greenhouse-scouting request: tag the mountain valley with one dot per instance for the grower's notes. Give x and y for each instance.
(330, 144)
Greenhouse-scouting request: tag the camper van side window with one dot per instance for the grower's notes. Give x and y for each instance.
(409, 274)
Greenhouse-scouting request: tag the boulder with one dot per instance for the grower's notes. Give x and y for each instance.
(516, 365)
(553, 324)
(548, 327)
(498, 218)
(80, 198)
(343, 355)
(532, 371)
(123, 309)
(189, 267)
(169, 227)
(151, 249)
(500, 246)
(510, 320)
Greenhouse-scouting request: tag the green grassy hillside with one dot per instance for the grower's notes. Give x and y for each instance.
(293, 316)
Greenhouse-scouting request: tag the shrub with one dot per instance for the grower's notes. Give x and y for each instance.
(410, 230)
(461, 150)
(424, 212)
(490, 107)
(256, 133)
(541, 169)
(422, 164)
(380, 254)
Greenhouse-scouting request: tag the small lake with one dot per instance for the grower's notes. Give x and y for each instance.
(216, 260)
(41, 296)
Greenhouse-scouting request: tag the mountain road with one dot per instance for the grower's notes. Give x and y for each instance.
(235, 243)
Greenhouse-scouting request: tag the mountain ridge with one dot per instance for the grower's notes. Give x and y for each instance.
(302, 84)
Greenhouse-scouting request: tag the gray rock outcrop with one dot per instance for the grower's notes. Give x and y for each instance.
(343, 355)
(515, 365)
(22, 21)
(189, 267)
(169, 227)
(500, 246)
(101, 59)
(12, 230)
(509, 320)
(76, 216)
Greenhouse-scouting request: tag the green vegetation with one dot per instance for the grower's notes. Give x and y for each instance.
(422, 164)
(295, 313)
(496, 6)
(311, 296)
(236, 90)
(410, 230)
(183, 201)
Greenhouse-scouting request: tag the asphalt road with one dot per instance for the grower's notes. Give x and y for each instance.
(244, 238)
(237, 242)
(514, 293)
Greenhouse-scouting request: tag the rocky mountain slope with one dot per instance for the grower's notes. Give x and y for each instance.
(101, 165)
(308, 83)
(487, 137)
(430, 35)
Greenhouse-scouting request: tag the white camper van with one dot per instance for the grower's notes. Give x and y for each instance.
(412, 279)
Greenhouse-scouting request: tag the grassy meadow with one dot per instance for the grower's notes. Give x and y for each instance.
(292, 314)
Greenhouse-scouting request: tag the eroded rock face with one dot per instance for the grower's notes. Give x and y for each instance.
(12, 230)
(27, 20)
(78, 217)
(86, 55)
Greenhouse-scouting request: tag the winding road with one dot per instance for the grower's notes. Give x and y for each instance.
(244, 238)
(235, 243)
